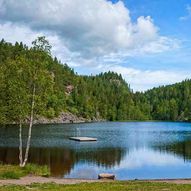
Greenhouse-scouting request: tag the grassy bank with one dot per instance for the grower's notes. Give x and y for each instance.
(114, 186)
(16, 172)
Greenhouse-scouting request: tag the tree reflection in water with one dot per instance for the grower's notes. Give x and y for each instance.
(62, 160)
(179, 148)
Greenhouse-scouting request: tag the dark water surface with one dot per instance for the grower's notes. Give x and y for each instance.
(128, 149)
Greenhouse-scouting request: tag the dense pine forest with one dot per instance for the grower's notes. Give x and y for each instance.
(171, 103)
(58, 89)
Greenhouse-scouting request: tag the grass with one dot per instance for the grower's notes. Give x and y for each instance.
(16, 172)
(114, 186)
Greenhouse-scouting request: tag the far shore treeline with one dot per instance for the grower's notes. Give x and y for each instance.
(59, 89)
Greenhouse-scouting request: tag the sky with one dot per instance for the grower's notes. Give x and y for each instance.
(148, 42)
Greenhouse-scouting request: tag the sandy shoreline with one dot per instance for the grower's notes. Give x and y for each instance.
(38, 179)
(27, 180)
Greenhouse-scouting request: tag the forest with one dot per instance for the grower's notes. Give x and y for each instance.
(31, 75)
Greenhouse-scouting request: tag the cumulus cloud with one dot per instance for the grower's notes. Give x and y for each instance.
(91, 28)
(11, 33)
(21, 33)
(93, 34)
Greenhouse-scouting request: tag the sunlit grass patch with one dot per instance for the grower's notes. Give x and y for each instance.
(103, 186)
(15, 172)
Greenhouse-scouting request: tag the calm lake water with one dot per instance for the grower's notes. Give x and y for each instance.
(130, 150)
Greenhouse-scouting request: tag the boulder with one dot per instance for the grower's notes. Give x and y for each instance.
(106, 176)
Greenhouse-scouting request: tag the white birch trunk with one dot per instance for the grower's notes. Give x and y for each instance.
(30, 128)
(20, 145)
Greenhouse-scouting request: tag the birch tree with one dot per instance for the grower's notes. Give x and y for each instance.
(26, 84)
(18, 95)
(40, 84)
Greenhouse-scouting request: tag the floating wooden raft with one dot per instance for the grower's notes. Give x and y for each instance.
(83, 139)
(106, 176)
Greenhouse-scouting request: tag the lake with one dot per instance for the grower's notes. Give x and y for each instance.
(130, 150)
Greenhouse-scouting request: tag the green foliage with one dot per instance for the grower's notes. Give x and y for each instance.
(16, 172)
(11, 175)
(172, 103)
(41, 44)
(58, 88)
(105, 96)
(36, 170)
(23, 69)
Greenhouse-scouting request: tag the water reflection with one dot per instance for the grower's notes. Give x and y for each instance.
(181, 149)
(62, 160)
(129, 150)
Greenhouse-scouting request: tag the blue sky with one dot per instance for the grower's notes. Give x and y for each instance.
(173, 18)
(148, 42)
(167, 16)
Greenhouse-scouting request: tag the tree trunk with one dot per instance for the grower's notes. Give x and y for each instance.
(20, 145)
(30, 128)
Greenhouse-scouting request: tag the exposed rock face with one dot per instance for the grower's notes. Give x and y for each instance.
(64, 118)
(69, 89)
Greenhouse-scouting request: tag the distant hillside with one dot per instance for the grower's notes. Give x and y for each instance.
(104, 96)
(172, 102)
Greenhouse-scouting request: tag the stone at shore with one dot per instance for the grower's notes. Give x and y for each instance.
(106, 176)
(64, 117)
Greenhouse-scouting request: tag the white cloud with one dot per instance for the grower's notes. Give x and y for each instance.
(20, 33)
(138, 79)
(91, 28)
(96, 34)
(13, 33)
(146, 79)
